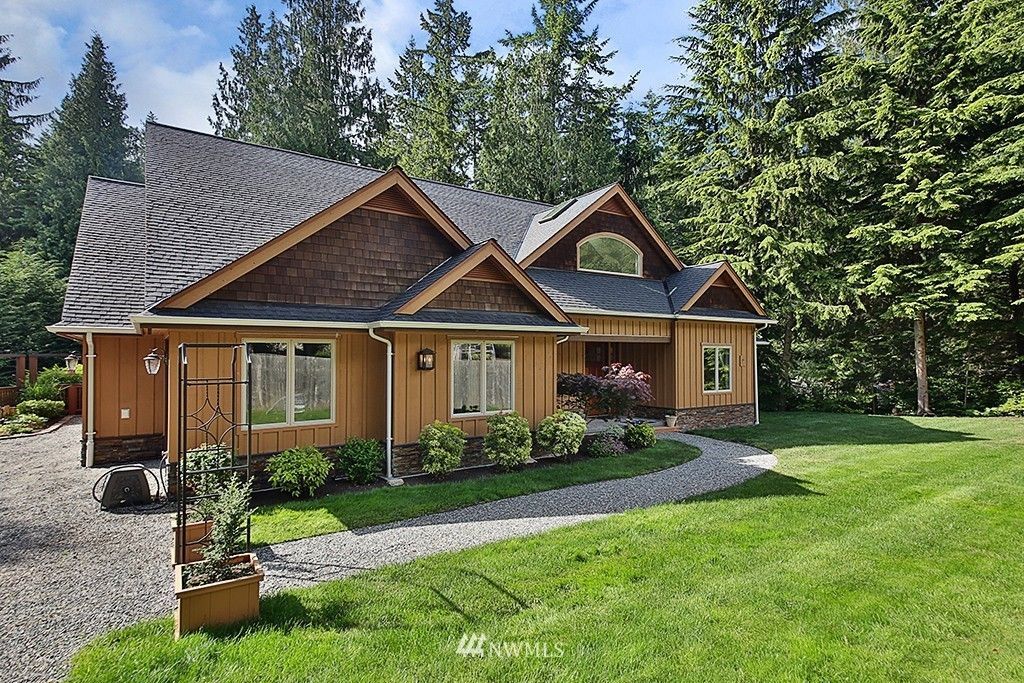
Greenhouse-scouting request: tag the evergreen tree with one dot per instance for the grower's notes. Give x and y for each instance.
(738, 178)
(31, 296)
(15, 151)
(552, 118)
(88, 136)
(640, 145)
(304, 82)
(434, 112)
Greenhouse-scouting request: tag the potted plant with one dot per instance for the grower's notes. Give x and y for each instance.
(204, 487)
(224, 587)
(670, 420)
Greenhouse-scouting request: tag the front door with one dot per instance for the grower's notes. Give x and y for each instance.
(597, 356)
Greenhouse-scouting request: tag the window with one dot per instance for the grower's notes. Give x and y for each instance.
(292, 382)
(717, 368)
(481, 377)
(607, 253)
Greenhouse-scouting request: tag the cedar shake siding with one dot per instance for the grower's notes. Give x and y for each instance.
(477, 295)
(562, 255)
(724, 297)
(363, 259)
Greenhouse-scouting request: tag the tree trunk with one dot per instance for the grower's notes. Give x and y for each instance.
(921, 366)
(788, 324)
(1017, 320)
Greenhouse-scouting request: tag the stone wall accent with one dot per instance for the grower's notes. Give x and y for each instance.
(364, 258)
(118, 450)
(712, 417)
(562, 255)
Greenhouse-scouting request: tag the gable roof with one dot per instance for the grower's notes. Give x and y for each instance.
(547, 228)
(104, 285)
(724, 270)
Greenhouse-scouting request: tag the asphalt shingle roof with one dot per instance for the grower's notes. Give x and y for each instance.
(106, 282)
(208, 201)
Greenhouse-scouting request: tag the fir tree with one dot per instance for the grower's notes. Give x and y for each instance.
(738, 178)
(552, 118)
(241, 94)
(15, 151)
(88, 136)
(434, 113)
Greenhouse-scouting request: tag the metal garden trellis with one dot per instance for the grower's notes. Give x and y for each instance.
(208, 413)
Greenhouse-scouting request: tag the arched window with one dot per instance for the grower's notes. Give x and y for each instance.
(609, 253)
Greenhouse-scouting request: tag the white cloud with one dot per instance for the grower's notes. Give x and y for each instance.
(180, 98)
(392, 22)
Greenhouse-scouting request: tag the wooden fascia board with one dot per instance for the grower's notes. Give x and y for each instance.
(613, 191)
(726, 269)
(260, 255)
(522, 280)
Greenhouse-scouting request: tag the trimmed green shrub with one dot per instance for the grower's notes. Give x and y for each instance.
(299, 470)
(607, 443)
(639, 435)
(508, 441)
(360, 460)
(562, 432)
(442, 444)
(22, 424)
(49, 384)
(51, 410)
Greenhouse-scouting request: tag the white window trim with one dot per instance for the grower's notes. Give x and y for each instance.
(627, 242)
(703, 350)
(483, 379)
(290, 420)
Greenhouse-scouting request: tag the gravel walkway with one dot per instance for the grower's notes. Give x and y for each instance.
(311, 560)
(69, 571)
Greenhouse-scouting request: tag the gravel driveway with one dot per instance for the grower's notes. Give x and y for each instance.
(310, 560)
(69, 571)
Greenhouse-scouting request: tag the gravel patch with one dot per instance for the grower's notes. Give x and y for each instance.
(311, 560)
(69, 571)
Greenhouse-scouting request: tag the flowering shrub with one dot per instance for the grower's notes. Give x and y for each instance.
(442, 444)
(508, 442)
(639, 435)
(562, 433)
(618, 392)
(607, 443)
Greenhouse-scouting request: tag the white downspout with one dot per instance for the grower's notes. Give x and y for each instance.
(562, 340)
(390, 401)
(757, 387)
(90, 394)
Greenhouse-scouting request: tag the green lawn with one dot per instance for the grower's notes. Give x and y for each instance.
(883, 549)
(304, 518)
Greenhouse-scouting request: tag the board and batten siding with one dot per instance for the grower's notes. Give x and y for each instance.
(676, 368)
(359, 407)
(122, 384)
(690, 338)
(422, 396)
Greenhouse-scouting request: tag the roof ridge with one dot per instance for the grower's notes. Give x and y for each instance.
(119, 181)
(343, 163)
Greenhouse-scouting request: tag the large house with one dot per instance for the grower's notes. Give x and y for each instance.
(372, 304)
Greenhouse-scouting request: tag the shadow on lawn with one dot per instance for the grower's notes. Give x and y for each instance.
(768, 485)
(800, 429)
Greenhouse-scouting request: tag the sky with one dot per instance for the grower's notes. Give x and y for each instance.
(167, 52)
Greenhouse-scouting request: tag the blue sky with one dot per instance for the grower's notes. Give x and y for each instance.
(166, 52)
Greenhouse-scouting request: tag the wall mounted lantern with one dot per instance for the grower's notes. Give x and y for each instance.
(425, 359)
(71, 362)
(152, 361)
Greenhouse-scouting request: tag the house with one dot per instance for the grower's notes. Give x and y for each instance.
(338, 279)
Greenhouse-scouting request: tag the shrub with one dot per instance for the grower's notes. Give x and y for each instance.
(442, 444)
(607, 443)
(508, 442)
(22, 424)
(51, 410)
(231, 510)
(562, 433)
(639, 435)
(360, 460)
(1012, 394)
(207, 486)
(50, 383)
(299, 470)
(623, 389)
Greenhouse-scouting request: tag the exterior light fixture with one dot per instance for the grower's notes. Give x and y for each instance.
(425, 359)
(152, 361)
(71, 361)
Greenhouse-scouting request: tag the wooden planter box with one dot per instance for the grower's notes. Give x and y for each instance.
(194, 531)
(217, 604)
